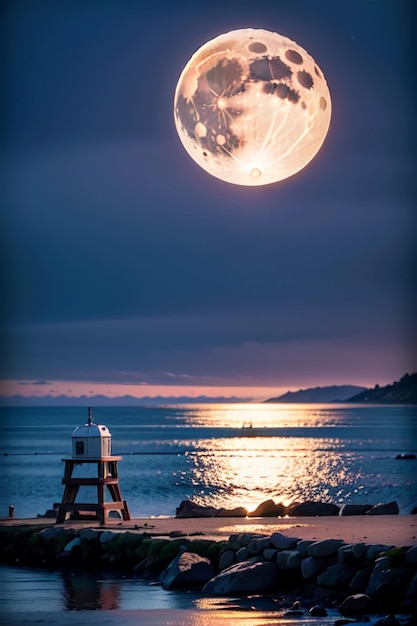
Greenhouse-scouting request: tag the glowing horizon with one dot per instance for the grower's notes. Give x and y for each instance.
(75, 389)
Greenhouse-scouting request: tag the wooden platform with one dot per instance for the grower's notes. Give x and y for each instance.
(107, 476)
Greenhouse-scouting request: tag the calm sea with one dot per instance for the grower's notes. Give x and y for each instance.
(221, 455)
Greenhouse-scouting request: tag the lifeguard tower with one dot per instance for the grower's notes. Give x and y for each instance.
(91, 445)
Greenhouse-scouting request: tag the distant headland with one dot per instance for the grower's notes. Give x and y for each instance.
(403, 391)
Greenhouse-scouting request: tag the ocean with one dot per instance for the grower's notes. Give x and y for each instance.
(219, 455)
(223, 455)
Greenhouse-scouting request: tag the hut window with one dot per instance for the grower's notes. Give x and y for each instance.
(79, 447)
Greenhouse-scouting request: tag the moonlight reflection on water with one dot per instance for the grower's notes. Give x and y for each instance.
(246, 471)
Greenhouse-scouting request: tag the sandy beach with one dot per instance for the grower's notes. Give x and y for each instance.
(396, 530)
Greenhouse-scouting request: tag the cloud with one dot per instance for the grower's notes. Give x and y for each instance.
(252, 348)
(34, 382)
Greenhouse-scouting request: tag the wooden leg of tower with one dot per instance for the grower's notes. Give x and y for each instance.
(125, 511)
(115, 493)
(100, 493)
(117, 497)
(70, 493)
(60, 518)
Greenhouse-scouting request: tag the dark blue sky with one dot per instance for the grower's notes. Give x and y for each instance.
(126, 263)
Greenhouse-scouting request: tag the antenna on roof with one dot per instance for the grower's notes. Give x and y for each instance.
(90, 419)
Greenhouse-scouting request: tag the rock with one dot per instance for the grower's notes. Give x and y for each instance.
(269, 554)
(406, 456)
(187, 570)
(355, 509)
(312, 509)
(345, 554)
(188, 508)
(288, 559)
(302, 546)
(356, 604)
(87, 534)
(382, 565)
(244, 578)
(411, 555)
(360, 580)
(311, 566)
(389, 620)
(281, 542)
(262, 543)
(326, 547)
(375, 549)
(49, 534)
(336, 576)
(253, 547)
(318, 611)
(412, 588)
(107, 536)
(385, 577)
(296, 610)
(390, 508)
(242, 555)
(227, 558)
(244, 539)
(360, 550)
(72, 544)
(239, 511)
(268, 509)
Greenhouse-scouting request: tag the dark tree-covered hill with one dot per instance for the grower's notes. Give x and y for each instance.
(334, 393)
(403, 391)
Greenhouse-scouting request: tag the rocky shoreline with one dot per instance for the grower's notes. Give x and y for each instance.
(269, 508)
(306, 576)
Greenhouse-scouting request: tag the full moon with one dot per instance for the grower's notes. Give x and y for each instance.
(252, 107)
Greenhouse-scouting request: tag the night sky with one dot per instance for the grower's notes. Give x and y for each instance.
(126, 264)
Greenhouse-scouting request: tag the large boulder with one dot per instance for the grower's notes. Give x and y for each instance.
(375, 549)
(288, 559)
(312, 509)
(282, 542)
(241, 578)
(311, 566)
(261, 543)
(187, 508)
(242, 554)
(268, 509)
(356, 604)
(386, 577)
(303, 545)
(412, 588)
(239, 511)
(326, 547)
(187, 570)
(336, 576)
(390, 508)
(226, 559)
(355, 509)
(74, 543)
(360, 580)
